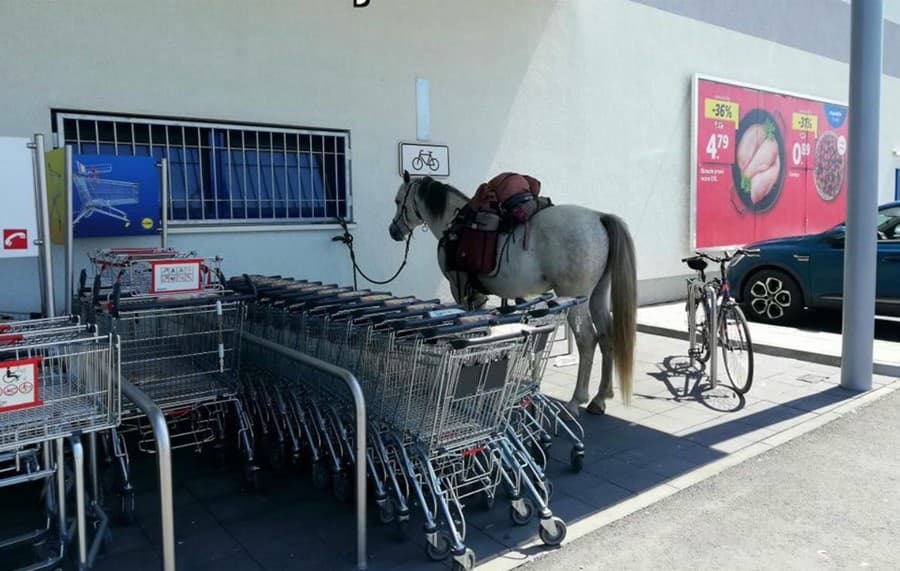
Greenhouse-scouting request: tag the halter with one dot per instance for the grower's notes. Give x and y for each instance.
(403, 208)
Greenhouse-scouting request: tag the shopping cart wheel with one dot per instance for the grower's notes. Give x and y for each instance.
(525, 514)
(251, 477)
(126, 508)
(548, 488)
(387, 511)
(489, 499)
(275, 454)
(576, 459)
(342, 485)
(556, 532)
(464, 562)
(441, 550)
(320, 475)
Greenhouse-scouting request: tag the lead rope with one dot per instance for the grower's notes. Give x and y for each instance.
(347, 239)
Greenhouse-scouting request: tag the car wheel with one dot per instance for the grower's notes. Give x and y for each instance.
(772, 296)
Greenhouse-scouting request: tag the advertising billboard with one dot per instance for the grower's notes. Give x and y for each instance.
(766, 164)
(115, 196)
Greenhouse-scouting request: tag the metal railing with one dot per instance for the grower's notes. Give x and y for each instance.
(164, 455)
(359, 434)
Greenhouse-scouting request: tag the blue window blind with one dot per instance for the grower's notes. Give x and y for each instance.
(229, 173)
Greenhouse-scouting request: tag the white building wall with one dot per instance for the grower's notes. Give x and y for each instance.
(592, 97)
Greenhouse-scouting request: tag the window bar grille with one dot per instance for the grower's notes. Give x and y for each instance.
(244, 169)
(133, 142)
(213, 162)
(170, 169)
(115, 130)
(200, 173)
(97, 136)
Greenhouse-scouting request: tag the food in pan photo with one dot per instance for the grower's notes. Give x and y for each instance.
(758, 171)
(829, 171)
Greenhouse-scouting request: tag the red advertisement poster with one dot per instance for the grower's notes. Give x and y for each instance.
(768, 164)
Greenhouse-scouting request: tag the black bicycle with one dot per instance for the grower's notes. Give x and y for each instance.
(733, 333)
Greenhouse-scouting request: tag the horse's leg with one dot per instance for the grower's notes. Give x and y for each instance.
(586, 340)
(599, 308)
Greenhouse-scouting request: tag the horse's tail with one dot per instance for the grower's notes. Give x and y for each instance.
(621, 268)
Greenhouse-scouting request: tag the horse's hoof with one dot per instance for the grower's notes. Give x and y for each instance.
(598, 409)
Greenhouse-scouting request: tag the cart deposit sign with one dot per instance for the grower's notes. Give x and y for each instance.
(767, 164)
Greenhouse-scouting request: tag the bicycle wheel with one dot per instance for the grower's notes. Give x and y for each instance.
(701, 326)
(737, 350)
(417, 163)
(434, 164)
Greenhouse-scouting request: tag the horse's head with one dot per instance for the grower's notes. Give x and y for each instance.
(406, 216)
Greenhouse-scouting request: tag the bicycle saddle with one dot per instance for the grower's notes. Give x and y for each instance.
(696, 263)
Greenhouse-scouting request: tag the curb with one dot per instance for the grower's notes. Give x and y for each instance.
(520, 556)
(884, 369)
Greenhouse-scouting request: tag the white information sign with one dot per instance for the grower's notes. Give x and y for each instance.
(421, 160)
(176, 276)
(19, 384)
(18, 217)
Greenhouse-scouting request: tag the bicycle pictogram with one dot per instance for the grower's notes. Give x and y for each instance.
(423, 159)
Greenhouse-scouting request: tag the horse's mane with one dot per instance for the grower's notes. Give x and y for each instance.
(433, 196)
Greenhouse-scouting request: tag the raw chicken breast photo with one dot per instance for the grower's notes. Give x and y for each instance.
(758, 160)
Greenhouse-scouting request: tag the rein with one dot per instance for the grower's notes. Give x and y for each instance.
(347, 239)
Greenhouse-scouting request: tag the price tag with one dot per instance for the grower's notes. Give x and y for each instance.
(720, 110)
(805, 122)
(801, 143)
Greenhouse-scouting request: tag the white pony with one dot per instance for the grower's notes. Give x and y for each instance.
(571, 250)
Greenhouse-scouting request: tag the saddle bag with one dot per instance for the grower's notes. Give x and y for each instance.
(476, 251)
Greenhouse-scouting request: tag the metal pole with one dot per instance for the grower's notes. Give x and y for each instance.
(61, 488)
(860, 249)
(164, 458)
(712, 336)
(49, 301)
(359, 403)
(70, 244)
(81, 517)
(164, 202)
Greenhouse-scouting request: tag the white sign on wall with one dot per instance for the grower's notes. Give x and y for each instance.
(421, 160)
(18, 217)
(176, 276)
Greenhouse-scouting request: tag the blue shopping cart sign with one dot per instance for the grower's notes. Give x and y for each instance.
(115, 196)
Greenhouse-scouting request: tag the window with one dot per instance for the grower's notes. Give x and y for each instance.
(221, 173)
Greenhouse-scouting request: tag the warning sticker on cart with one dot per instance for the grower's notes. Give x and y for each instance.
(19, 384)
(176, 276)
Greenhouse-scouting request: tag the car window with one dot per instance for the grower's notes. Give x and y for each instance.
(890, 228)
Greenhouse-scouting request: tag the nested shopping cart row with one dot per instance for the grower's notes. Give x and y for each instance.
(59, 382)
(453, 401)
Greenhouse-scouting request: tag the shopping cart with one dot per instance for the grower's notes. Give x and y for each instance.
(147, 271)
(184, 355)
(102, 195)
(439, 406)
(57, 384)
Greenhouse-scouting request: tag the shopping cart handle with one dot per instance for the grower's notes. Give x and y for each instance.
(435, 333)
(466, 342)
(525, 303)
(557, 306)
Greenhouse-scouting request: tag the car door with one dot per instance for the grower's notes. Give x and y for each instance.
(826, 270)
(887, 290)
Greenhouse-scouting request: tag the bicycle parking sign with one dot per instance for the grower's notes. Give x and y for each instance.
(425, 160)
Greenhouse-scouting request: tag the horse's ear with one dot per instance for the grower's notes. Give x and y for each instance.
(406, 176)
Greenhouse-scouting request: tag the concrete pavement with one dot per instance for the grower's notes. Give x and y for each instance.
(827, 500)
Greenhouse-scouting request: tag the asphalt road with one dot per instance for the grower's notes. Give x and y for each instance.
(827, 500)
